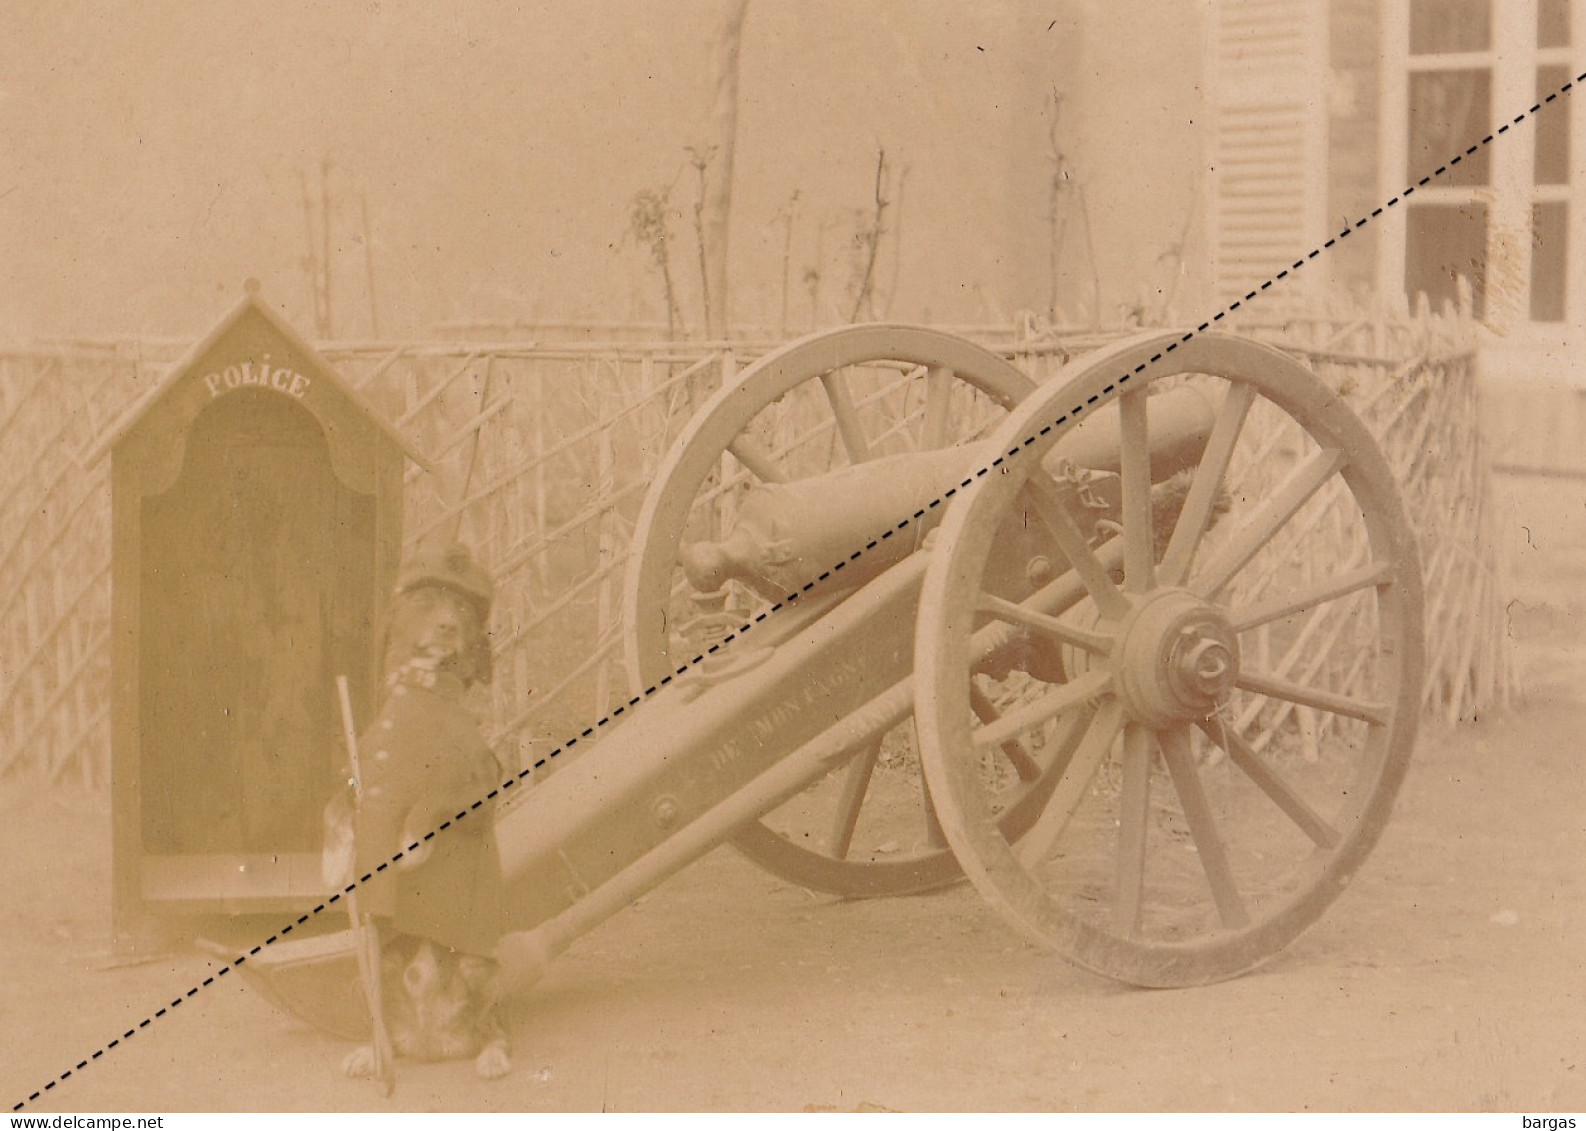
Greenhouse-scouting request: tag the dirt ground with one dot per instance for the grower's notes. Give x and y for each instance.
(1449, 977)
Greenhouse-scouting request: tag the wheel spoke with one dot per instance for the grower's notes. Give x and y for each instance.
(1013, 613)
(935, 428)
(1377, 573)
(1060, 698)
(1273, 784)
(1201, 500)
(1203, 827)
(1037, 844)
(1053, 511)
(1134, 822)
(855, 786)
(1139, 542)
(1377, 714)
(1023, 762)
(847, 417)
(1268, 519)
(756, 460)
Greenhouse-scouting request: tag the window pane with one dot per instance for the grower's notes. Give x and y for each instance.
(1444, 242)
(1449, 112)
(1449, 25)
(1552, 23)
(1549, 244)
(1552, 128)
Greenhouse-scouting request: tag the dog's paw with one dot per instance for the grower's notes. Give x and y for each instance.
(360, 1063)
(493, 1061)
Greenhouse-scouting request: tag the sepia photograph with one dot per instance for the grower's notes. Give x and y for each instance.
(791, 556)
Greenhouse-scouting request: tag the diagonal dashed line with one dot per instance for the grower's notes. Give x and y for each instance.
(594, 729)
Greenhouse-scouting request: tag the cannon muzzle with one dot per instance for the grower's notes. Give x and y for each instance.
(788, 535)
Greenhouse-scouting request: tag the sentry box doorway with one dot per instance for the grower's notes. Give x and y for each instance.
(257, 525)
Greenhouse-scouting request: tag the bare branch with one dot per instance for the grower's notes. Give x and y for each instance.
(870, 238)
(699, 157)
(648, 222)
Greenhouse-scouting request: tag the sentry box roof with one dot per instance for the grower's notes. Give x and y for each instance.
(253, 347)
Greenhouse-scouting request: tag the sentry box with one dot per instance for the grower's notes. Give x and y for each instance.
(257, 525)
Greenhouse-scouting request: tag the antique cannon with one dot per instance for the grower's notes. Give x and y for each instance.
(1137, 650)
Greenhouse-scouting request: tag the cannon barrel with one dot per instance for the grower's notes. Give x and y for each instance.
(1180, 420)
(788, 534)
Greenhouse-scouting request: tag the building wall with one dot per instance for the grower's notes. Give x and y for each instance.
(1354, 105)
(1137, 119)
(497, 151)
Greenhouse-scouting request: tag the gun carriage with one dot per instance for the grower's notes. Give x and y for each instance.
(1099, 628)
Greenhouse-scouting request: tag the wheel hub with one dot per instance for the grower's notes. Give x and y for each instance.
(1178, 659)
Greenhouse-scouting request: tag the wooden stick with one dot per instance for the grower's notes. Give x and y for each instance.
(364, 930)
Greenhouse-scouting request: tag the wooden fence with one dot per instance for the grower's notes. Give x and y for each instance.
(1414, 383)
(542, 458)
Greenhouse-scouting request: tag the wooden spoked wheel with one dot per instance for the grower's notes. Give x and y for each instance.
(1243, 651)
(821, 404)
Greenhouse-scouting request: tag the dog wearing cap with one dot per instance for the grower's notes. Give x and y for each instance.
(424, 764)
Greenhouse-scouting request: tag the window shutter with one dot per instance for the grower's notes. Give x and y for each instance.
(1268, 93)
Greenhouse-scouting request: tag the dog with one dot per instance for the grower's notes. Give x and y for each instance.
(439, 1005)
(439, 910)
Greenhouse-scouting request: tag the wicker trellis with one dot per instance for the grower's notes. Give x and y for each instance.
(542, 458)
(1414, 383)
